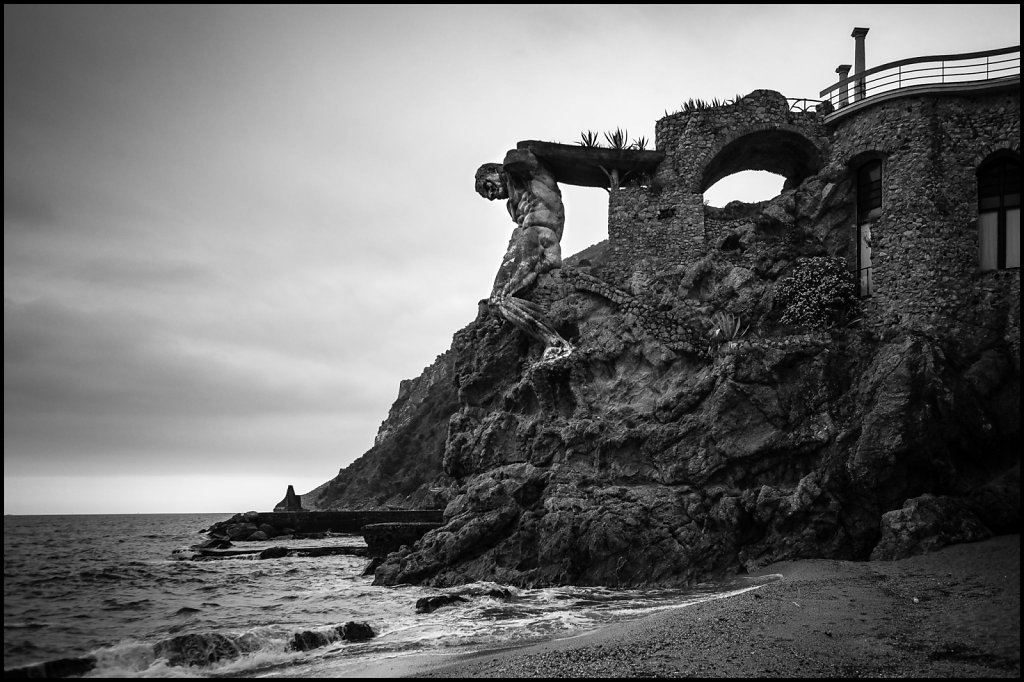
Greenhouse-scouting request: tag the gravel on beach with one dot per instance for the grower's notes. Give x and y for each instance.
(951, 613)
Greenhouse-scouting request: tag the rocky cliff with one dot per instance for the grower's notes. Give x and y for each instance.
(694, 432)
(403, 468)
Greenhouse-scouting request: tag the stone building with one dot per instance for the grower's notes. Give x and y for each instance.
(922, 155)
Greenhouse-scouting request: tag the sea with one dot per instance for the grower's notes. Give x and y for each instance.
(117, 589)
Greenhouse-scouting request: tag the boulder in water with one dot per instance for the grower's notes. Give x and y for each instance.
(241, 531)
(214, 543)
(429, 604)
(274, 553)
(313, 639)
(356, 632)
(198, 649)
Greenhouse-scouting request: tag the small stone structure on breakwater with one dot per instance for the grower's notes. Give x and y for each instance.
(291, 502)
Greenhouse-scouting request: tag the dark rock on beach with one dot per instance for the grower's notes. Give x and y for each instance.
(430, 604)
(356, 632)
(273, 553)
(214, 543)
(199, 649)
(371, 567)
(313, 639)
(500, 594)
(242, 531)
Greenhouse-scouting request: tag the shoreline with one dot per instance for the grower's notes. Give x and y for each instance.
(950, 613)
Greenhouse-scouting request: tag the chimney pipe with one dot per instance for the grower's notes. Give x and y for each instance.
(858, 62)
(844, 94)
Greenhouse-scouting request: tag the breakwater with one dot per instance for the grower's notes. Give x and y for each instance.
(346, 521)
(326, 521)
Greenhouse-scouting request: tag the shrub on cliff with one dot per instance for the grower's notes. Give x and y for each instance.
(819, 293)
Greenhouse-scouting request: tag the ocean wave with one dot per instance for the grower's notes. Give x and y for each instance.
(483, 621)
(190, 655)
(113, 604)
(116, 603)
(25, 626)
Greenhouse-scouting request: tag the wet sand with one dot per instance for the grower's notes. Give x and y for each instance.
(951, 613)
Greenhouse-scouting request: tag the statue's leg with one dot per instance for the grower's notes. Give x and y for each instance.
(526, 315)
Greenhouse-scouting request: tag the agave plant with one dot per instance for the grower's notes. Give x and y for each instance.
(697, 104)
(639, 143)
(589, 139)
(727, 327)
(618, 139)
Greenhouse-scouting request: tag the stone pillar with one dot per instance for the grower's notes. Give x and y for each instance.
(858, 62)
(843, 95)
(291, 502)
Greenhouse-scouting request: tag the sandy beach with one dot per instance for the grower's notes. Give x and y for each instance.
(951, 613)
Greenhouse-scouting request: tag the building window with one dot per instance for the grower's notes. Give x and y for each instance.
(869, 210)
(999, 214)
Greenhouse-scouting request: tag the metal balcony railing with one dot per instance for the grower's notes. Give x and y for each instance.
(803, 104)
(950, 69)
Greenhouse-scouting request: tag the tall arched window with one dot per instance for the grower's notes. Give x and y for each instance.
(999, 213)
(869, 210)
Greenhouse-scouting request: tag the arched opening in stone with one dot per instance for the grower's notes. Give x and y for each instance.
(749, 186)
(769, 154)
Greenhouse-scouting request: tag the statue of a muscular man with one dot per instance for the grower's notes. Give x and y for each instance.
(535, 204)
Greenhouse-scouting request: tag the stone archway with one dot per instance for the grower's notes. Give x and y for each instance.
(703, 144)
(777, 150)
(757, 132)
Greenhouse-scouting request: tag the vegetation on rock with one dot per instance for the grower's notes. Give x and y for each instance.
(820, 293)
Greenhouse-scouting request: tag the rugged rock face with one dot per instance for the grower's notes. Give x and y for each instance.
(642, 460)
(403, 468)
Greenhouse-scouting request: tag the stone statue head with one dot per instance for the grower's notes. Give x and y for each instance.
(490, 182)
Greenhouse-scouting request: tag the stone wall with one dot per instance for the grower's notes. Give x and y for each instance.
(662, 222)
(649, 227)
(925, 245)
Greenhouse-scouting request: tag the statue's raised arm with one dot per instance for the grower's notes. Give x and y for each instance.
(535, 204)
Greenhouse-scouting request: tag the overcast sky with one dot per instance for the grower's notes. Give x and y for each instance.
(230, 232)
